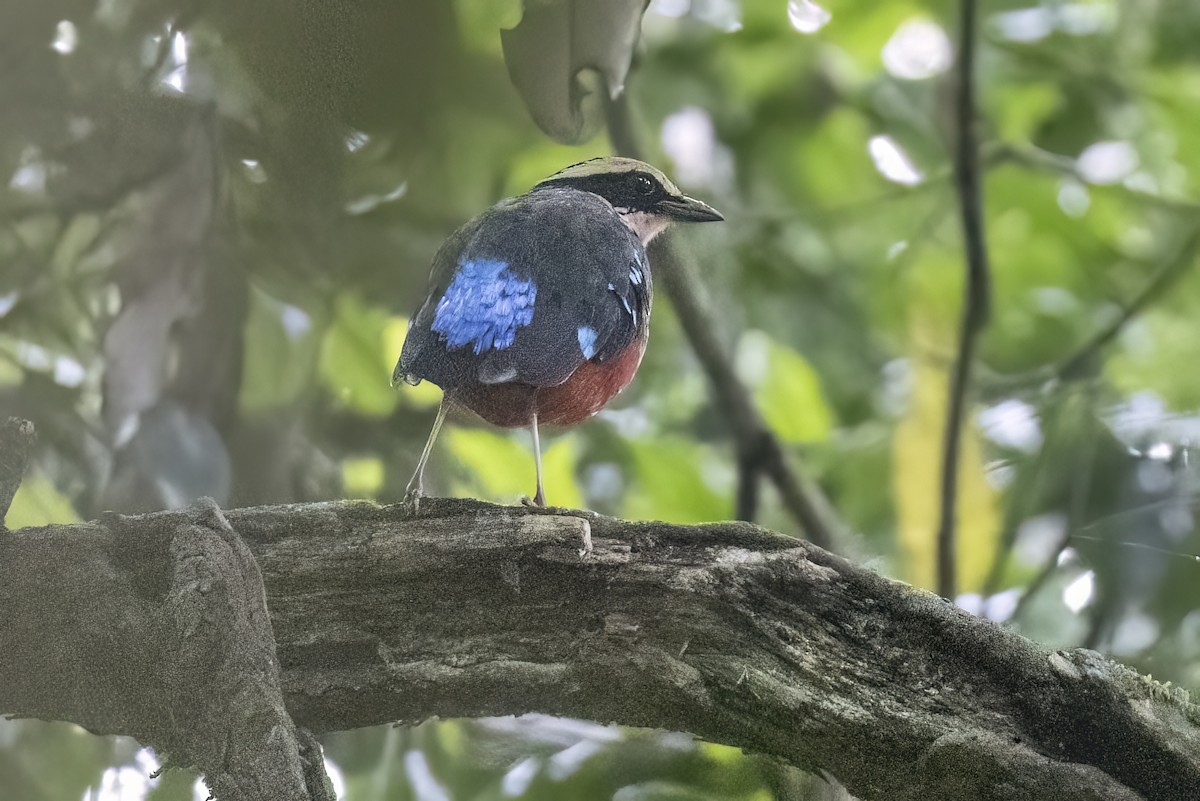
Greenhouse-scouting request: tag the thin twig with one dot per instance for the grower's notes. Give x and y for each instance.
(1074, 366)
(1023, 494)
(759, 451)
(758, 448)
(1162, 279)
(968, 182)
(1051, 566)
(1079, 489)
(748, 484)
(1035, 158)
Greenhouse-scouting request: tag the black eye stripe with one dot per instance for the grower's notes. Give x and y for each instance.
(632, 191)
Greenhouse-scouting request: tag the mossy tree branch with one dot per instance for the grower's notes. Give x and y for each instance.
(728, 631)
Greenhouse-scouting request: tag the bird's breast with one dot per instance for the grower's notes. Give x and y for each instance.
(584, 393)
(590, 387)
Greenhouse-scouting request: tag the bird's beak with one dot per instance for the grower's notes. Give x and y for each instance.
(688, 209)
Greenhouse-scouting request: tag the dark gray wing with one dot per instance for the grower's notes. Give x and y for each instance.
(527, 292)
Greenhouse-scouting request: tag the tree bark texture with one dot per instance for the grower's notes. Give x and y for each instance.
(152, 626)
(155, 627)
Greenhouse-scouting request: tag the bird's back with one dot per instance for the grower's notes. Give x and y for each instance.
(526, 294)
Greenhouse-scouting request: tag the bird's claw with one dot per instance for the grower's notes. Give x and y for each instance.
(412, 502)
(586, 550)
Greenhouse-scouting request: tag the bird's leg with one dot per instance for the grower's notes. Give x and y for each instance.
(416, 489)
(539, 497)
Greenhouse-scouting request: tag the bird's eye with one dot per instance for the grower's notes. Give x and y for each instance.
(644, 185)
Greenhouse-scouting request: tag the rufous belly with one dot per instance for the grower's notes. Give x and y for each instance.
(583, 394)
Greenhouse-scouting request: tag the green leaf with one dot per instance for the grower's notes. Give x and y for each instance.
(63, 759)
(1150, 356)
(917, 458)
(861, 30)
(354, 365)
(1022, 108)
(834, 163)
(80, 234)
(532, 165)
(281, 350)
(501, 468)
(480, 21)
(362, 477)
(678, 481)
(175, 784)
(11, 373)
(39, 503)
(786, 388)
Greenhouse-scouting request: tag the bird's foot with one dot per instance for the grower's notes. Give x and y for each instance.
(412, 501)
(586, 550)
(538, 501)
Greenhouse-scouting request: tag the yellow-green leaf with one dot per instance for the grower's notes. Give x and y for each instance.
(38, 503)
(678, 481)
(786, 388)
(917, 461)
(354, 365)
(362, 477)
(500, 467)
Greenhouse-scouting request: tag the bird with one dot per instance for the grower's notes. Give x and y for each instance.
(538, 309)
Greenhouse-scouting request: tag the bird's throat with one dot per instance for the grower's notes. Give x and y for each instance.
(644, 225)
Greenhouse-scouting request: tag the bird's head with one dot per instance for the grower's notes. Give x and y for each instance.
(645, 198)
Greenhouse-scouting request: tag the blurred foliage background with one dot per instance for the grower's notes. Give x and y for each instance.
(216, 215)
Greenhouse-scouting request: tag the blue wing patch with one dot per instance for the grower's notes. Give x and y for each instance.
(587, 340)
(484, 306)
